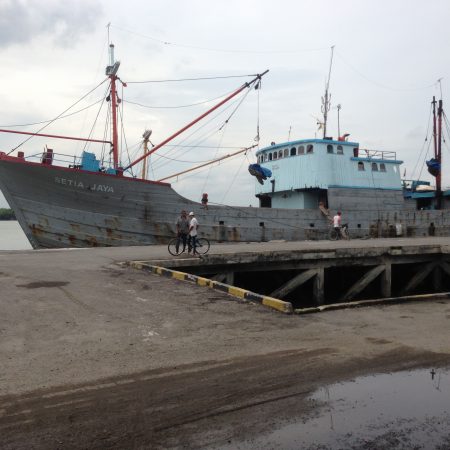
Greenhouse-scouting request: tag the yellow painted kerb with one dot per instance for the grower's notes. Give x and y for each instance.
(279, 305)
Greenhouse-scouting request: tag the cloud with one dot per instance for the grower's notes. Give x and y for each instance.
(23, 20)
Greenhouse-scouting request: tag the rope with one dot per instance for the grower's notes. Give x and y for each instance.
(57, 117)
(193, 79)
(423, 145)
(47, 121)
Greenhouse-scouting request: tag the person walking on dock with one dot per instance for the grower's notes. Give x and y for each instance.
(193, 227)
(337, 219)
(182, 230)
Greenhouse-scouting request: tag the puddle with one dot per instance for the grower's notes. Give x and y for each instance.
(402, 410)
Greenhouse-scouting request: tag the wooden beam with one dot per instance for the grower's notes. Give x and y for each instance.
(363, 282)
(319, 287)
(386, 280)
(293, 283)
(226, 277)
(420, 275)
(445, 267)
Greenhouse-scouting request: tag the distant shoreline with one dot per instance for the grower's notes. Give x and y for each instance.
(7, 214)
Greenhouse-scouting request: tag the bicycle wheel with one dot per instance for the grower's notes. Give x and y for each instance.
(175, 247)
(333, 235)
(202, 246)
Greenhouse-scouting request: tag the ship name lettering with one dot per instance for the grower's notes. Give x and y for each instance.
(69, 182)
(102, 188)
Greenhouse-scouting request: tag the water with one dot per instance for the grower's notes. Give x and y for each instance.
(403, 410)
(12, 237)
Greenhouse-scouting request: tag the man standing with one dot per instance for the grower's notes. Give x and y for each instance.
(337, 224)
(193, 227)
(182, 230)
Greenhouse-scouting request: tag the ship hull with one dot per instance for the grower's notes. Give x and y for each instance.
(64, 207)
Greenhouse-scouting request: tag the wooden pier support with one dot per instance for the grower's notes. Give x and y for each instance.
(337, 273)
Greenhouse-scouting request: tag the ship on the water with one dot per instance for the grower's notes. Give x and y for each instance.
(300, 184)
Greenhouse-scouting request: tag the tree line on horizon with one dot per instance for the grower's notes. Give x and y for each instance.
(7, 214)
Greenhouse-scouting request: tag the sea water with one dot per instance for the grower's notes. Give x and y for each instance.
(12, 236)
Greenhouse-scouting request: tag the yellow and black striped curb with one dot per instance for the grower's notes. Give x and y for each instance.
(279, 305)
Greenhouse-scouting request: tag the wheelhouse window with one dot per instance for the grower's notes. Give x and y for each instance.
(382, 167)
(301, 150)
(286, 152)
(310, 148)
(293, 151)
(270, 156)
(340, 150)
(361, 166)
(280, 154)
(329, 148)
(275, 155)
(374, 167)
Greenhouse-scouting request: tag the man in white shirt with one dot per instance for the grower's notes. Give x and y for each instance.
(337, 224)
(193, 227)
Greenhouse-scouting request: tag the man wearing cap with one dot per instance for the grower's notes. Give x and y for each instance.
(193, 227)
(182, 230)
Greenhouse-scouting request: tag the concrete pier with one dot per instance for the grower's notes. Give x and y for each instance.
(96, 354)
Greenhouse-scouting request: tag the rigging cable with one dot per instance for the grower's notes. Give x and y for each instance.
(125, 140)
(424, 142)
(201, 139)
(193, 79)
(380, 84)
(234, 178)
(223, 127)
(58, 116)
(180, 106)
(96, 118)
(174, 44)
(47, 121)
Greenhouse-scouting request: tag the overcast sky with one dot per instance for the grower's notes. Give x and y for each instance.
(387, 60)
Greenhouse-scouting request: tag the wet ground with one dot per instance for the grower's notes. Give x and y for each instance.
(401, 410)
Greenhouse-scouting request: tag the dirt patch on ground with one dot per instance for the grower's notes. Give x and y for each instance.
(201, 405)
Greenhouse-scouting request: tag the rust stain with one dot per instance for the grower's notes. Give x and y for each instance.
(92, 241)
(72, 239)
(36, 231)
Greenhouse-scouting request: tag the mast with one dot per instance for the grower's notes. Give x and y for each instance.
(327, 97)
(146, 136)
(439, 157)
(111, 71)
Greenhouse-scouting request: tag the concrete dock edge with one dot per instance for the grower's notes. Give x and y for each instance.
(243, 294)
(374, 302)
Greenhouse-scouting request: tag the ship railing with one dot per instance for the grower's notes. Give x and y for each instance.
(49, 157)
(376, 154)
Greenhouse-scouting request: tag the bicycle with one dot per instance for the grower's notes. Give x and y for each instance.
(334, 236)
(176, 248)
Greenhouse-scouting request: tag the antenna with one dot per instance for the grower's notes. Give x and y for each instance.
(339, 126)
(440, 85)
(326, 98)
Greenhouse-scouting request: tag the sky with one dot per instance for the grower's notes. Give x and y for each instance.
(388, 57)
